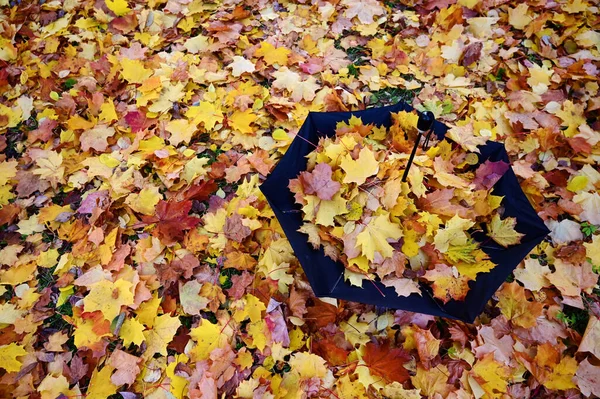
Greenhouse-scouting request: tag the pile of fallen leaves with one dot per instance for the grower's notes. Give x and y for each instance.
(140, 259)
(356, 206)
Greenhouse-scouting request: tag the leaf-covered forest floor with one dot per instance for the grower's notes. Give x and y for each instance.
(139, 258)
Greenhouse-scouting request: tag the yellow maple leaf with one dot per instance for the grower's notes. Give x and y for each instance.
(195, 167)
(592, 249)
(181, 131)
(572, 117)
(491, 375)
(470, 270)
(539, 78)
(335, 151)
(8, 52)
(77, 122)
(514, 305)
(108, 112)
(273, 55)
(253, 308)
(132, 332)
(8, 357)
(410, 247)
(197, 44)
(240, 121)
(329, 209)
(355, 331)
(147, 311)
(145, 201)
(48, 258)
(207, 336)
(6, 195)
(109, 297)
(503, 231)
(257, 330)
(101, 387)
(30, 226)
(119, 7)
(50, 213)
(562, 375)
(52, 387)
(469, 3)
(453, 233)
(374, 238)
(358, 170)
(8, 170)
(347, 388)
(134, 71)
(49, 167)
(206, 113)
(406, 120)
(518, 17)
(161, 334)
(292, 82)
(85, 334)
(244, 359)
(575, 6)
(325, 210)
(462, 253)
(432, 381)
(178, 384)
(308, 365)
(397, 391)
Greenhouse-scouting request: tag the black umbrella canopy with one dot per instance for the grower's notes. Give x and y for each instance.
(327, 276)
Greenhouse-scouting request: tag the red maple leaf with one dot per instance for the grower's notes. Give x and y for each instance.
(199, 192)
(328, 350)
(321, 314)
(136, 120)
(385, 362)
(171, 220)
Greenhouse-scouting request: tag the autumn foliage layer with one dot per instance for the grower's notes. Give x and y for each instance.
(140, 259)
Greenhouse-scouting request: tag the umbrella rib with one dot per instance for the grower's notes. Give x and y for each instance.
(337, 282)
(308, 141)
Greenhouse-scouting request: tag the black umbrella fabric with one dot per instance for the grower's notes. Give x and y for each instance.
(327, 276)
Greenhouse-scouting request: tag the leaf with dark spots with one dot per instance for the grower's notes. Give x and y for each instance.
(136, 120)
(471, 54)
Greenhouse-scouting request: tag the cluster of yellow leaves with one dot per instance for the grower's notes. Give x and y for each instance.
(356, 206)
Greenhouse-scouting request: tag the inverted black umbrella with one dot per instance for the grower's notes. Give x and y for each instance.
(326, 275)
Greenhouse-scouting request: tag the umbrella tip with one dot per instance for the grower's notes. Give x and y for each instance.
(426, 120)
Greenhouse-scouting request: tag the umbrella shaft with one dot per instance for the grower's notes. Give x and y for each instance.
(412, 156)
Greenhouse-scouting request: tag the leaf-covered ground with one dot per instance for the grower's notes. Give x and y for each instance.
(139, 258)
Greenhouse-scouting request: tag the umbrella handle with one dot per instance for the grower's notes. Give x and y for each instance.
(424, 125)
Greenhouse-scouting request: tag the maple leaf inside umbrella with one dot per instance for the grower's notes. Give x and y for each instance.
(326, 276)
